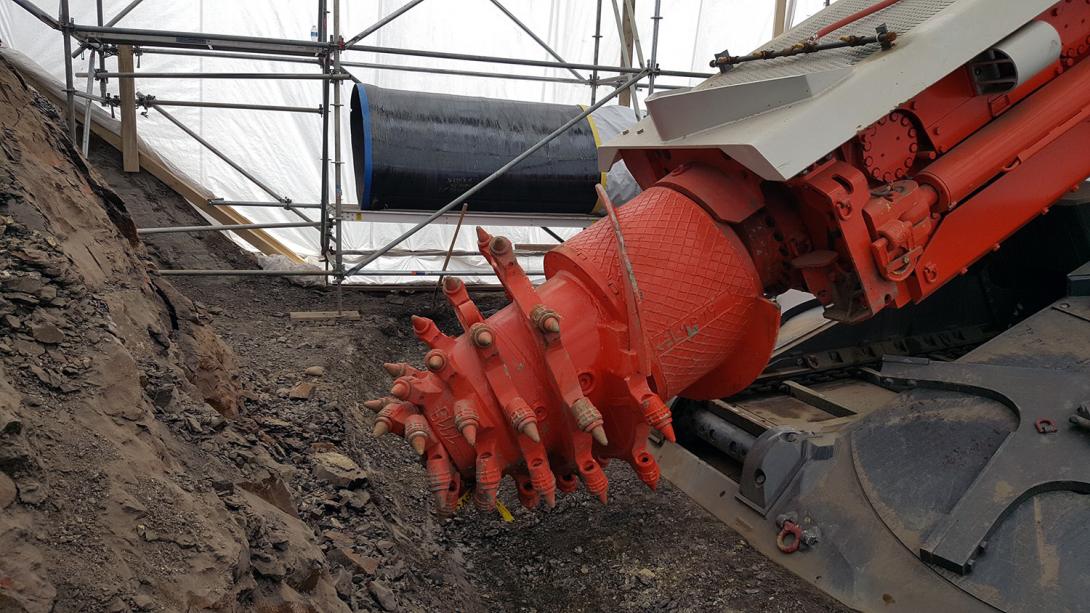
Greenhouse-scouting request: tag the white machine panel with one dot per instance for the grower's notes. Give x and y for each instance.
(779, 116)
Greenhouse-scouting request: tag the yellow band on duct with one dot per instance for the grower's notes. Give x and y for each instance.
(597, 143)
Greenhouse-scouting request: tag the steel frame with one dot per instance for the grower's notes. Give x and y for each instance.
(102, 40)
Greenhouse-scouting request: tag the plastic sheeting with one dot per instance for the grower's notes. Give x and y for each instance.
(284, 150)
(621, 186)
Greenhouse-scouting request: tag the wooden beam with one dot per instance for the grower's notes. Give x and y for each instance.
(130, 151)
(625, 97)
(779, 18)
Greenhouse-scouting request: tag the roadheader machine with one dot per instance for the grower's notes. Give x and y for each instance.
(917, 167)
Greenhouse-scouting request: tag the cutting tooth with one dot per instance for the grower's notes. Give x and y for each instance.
(484, 500)
(466, 420)
(381, 427)
(594, 479)
(545, 319)
(442, 504)
(488, 479)
(435, 362)
(451, 284)
(418, 433)
(646, 468)
(588, 418)
(469, 431)
(441, 480)
(395, 370)
(482, 335)
(551, 324)
(400, 389)
(426, 330)
(658, 415)
(499, 245)
(667, 430)
(543, 480)
(377, 404)
(529, 428)
(652, 483)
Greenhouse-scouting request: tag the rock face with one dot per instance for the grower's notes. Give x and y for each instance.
(302, 391)
(338, 469)
(118, 460)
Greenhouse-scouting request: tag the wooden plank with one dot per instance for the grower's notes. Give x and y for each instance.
(194, 193)
(130, 151)
(625, 97)
(323, 315)
(780, 17)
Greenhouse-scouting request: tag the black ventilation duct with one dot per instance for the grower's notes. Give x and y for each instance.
(419, 151)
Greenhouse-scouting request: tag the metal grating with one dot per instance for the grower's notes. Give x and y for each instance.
(901, 18)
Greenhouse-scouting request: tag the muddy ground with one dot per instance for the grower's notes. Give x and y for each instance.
(643, 551)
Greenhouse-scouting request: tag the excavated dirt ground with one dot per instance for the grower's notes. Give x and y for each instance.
(252, 503)
(643, 551)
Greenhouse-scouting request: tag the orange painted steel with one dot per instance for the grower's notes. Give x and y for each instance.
(1012, 138)
(575, 371)
(980, 224)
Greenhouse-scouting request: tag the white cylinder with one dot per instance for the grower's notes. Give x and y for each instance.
(1016, 58)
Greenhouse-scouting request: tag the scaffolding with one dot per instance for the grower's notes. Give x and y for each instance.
(105, 39)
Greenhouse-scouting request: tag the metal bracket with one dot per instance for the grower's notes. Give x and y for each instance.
(772, 464)
(1024, 465)
(1078, 281)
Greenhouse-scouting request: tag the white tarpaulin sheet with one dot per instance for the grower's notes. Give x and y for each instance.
(284, 149)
